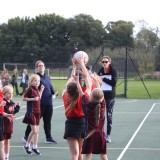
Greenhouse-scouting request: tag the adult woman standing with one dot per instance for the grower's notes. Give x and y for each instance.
(109, 79)
(24, 81)
(14, 80)
(46, 102)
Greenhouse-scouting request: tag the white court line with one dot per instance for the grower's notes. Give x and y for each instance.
(128, 101)
(25, 106)
(135, 133)
(19, 118)
(58, 106)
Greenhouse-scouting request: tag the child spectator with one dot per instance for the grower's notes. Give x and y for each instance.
(5, 77)
(9, 108)
(32, 116)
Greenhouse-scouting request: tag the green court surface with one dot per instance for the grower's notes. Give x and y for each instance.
(135, 134)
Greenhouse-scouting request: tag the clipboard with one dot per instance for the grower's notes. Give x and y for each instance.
(105, 86)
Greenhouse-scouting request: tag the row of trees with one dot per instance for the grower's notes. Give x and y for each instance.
(53, 38)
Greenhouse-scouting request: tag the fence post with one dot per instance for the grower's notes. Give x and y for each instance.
(125, 73)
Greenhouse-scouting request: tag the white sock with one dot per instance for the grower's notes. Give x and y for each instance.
(7, 155)
(28, 144)
(34, 146)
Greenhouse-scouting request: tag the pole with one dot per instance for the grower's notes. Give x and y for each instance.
(125, 74)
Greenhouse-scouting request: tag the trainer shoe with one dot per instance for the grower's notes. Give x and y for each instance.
(24, 139)
(108, 139)
(36, 151)
(27, 149)
(50, 141)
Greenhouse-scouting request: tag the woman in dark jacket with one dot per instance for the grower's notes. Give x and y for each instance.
(109, 79)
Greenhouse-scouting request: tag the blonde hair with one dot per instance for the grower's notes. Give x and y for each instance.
(15, 70)
(32, 77)
(7, 88)
(96, 95)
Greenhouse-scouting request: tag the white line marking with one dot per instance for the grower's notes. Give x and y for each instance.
(135, 133)
(127, 101)
(58, 106)
(19, 118)
(25, 106)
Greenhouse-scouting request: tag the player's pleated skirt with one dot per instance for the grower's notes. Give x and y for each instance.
(74, 128)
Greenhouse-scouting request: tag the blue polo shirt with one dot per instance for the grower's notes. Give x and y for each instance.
(46, 98)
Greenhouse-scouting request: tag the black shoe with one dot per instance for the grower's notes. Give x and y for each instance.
(36, 151)
(27, 149)
(50, 141)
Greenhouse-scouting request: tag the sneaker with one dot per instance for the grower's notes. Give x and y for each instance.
(108, 139)
(36, 151)
(24, 139)
(50, 141)
(27, 149)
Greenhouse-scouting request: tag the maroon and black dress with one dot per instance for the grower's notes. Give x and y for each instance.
(33, 112)
(95, 141)
(9, 108)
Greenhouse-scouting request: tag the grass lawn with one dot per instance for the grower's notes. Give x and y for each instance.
(59, 86)
(135, 88)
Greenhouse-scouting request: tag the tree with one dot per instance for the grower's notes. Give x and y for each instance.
(120, 34)
(146, 39)
(48, 37)
(157, 59)
(84, 32)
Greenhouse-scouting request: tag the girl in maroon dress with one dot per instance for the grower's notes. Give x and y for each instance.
(2, 115)
(95, 142)
(32, 116)
(10, 108)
